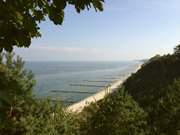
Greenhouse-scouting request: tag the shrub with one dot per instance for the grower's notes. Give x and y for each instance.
(156, 88)
(20, 112)
(117, 114)
(166, 115)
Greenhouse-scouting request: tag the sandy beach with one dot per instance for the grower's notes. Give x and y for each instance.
(78, 107)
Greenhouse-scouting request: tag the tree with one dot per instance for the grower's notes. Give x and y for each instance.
(16, 86)
(117, 114)
(156, 88)
(177, 50)
(19, 19)
(20, 112)
(166, 116)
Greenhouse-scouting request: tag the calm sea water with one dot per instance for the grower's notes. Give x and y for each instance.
(73, 81)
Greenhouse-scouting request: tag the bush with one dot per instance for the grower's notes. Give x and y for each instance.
(117, 114)
(166, 115)
(16, 86)
(156, 88)
(44, 118)
(20, 112)
(148, 84)
(153, 109)
(177, 50)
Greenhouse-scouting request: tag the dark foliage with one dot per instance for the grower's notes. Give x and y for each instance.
(20, 112)
(166, 115)
(147, 85)
(16, 86)
(117, 114)
(177, 50)
(153, 109)
(156, 90)
(19, 19)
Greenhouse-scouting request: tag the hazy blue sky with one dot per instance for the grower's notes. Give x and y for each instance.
(127, 29)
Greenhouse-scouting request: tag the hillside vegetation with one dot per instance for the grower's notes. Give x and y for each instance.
(148, 103)
(156, 88)
(20, 112)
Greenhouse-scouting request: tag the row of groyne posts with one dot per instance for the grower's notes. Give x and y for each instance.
(78, 107)
(106, 88)
(94, 97)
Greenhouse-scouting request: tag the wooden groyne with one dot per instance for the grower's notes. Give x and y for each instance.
(103, 81)
(78, 107)
(86, 85)
(81, 92)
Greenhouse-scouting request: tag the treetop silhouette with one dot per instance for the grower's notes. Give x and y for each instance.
(19, 19)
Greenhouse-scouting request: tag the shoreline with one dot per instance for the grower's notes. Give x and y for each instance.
(79, 106)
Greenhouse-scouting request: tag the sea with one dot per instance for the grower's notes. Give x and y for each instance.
(70, 82)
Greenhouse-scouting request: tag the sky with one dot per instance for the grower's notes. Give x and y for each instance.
(125, 30)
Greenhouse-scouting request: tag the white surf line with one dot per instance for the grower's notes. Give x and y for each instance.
(78, 107)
